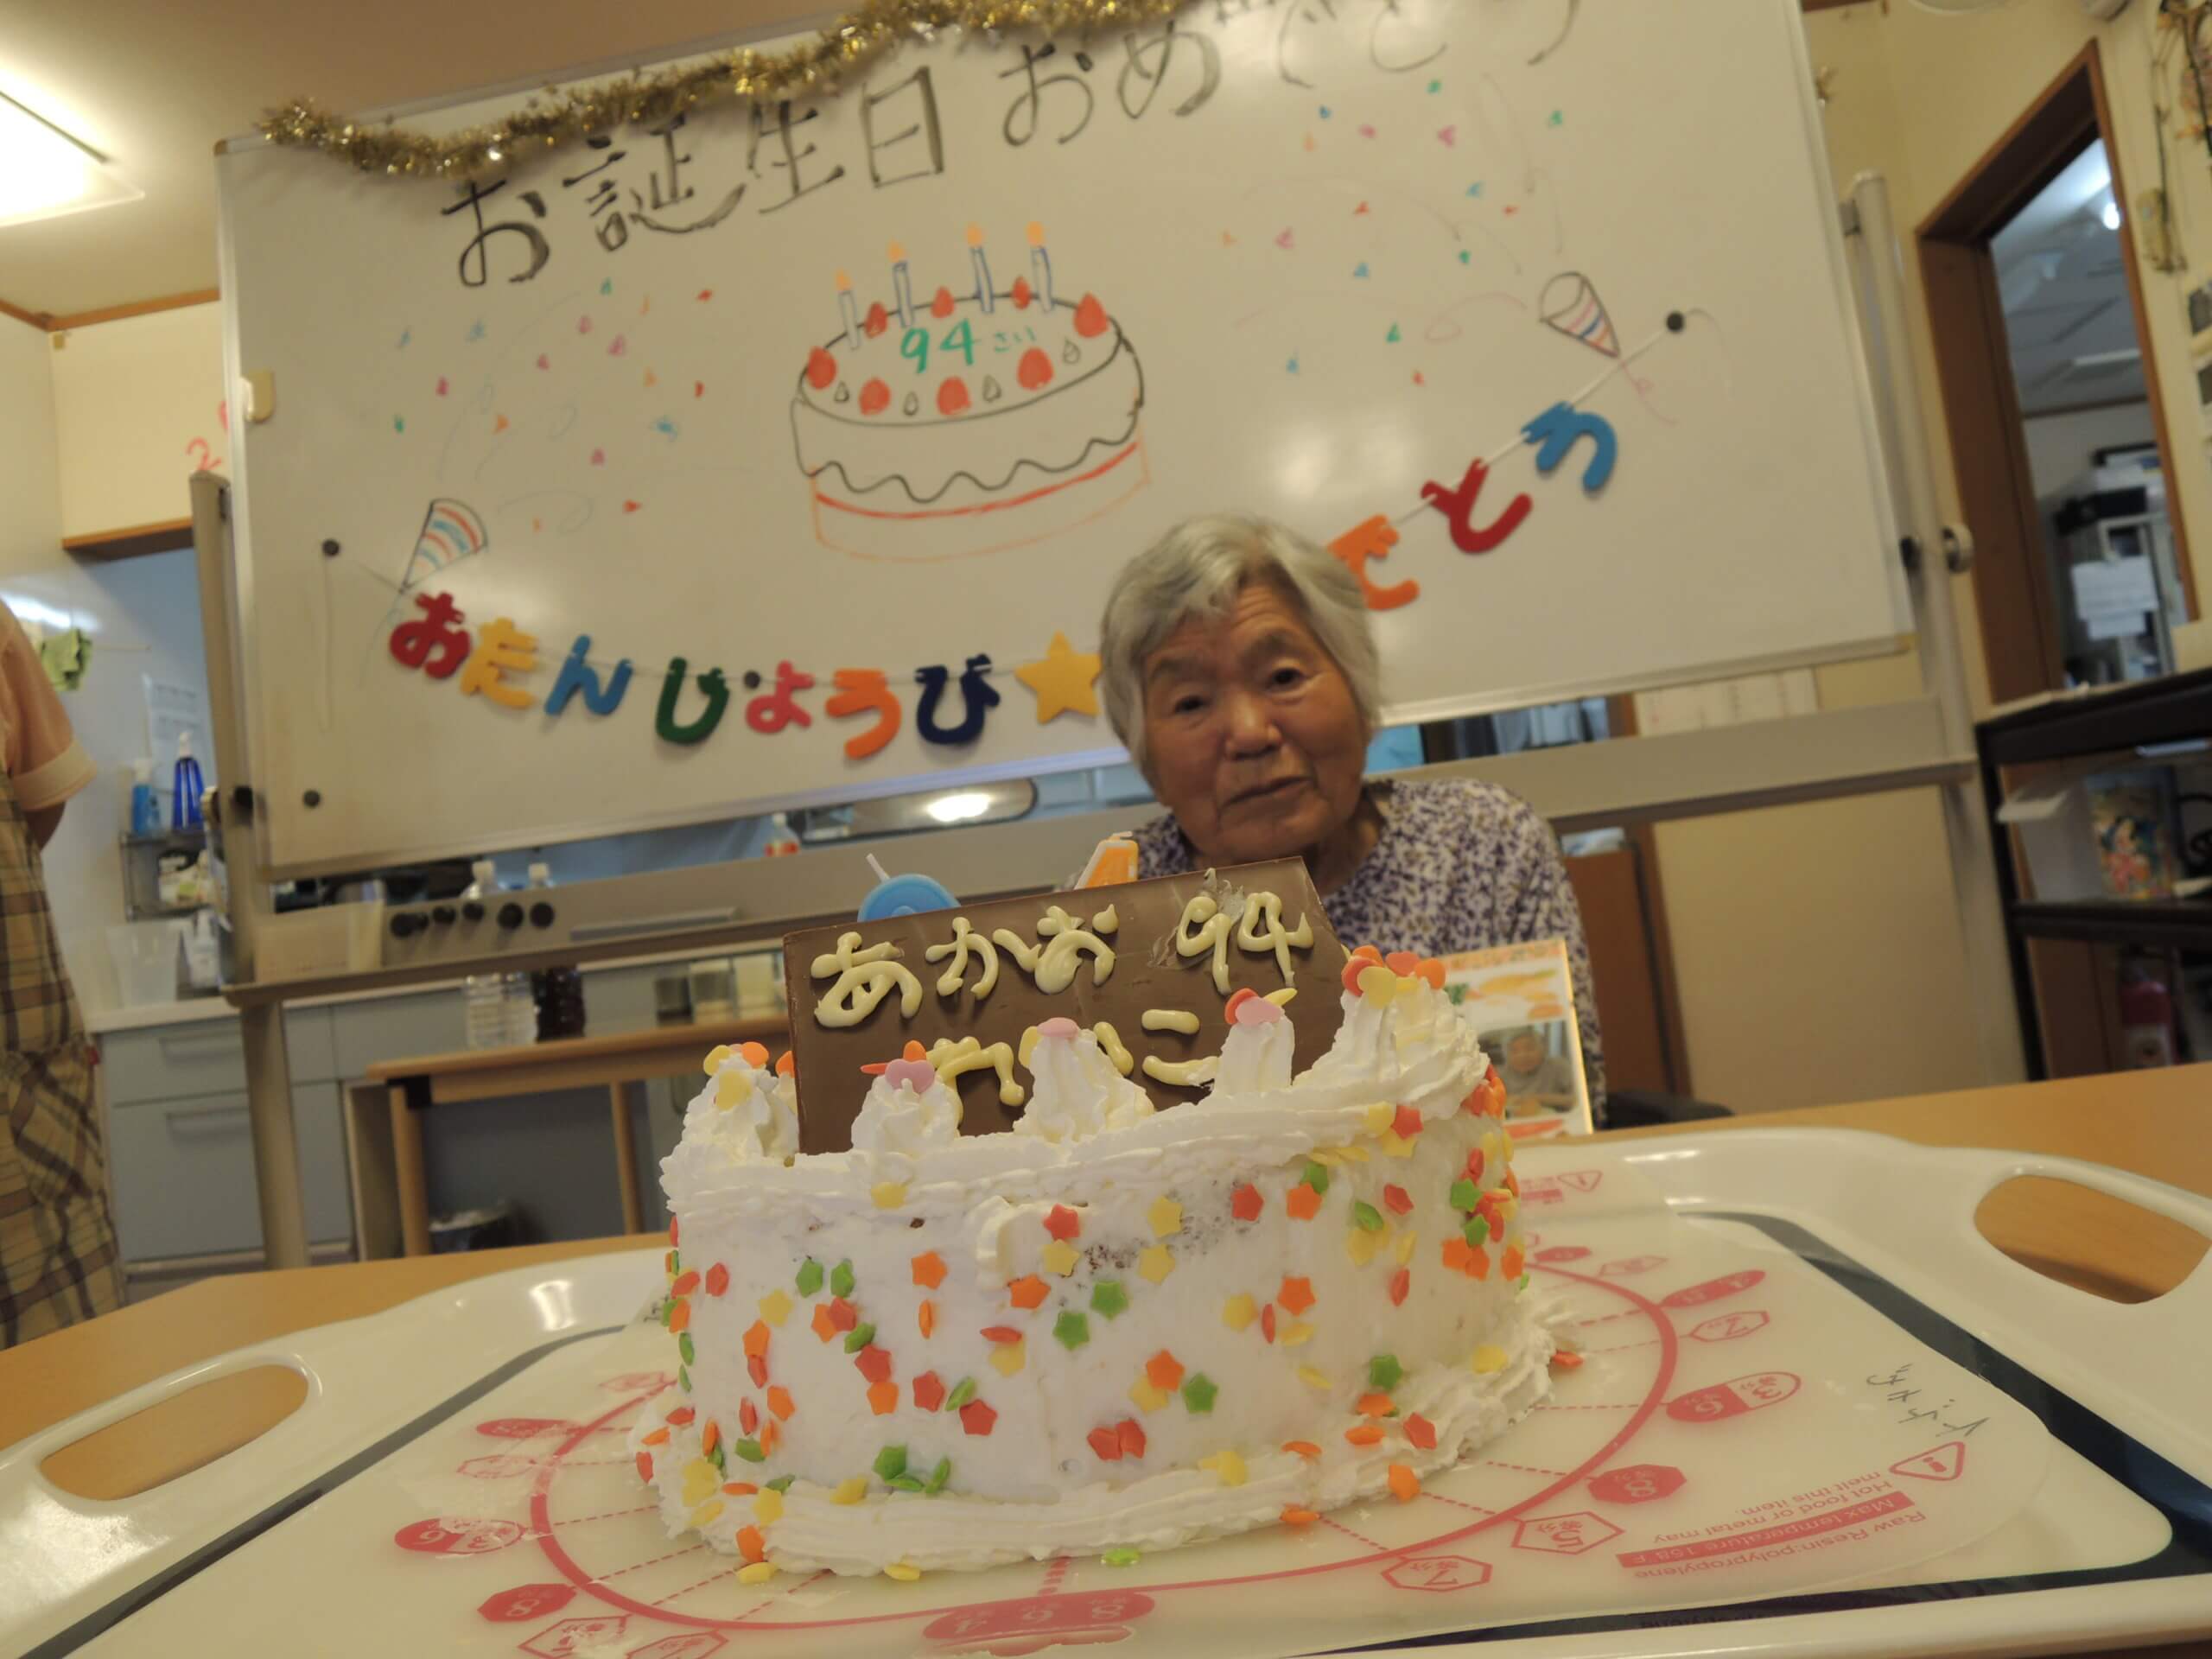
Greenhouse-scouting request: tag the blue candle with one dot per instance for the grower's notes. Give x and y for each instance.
(1040, 264)
(982, 268)
(849, 310)
(902, 895)
(900, 289)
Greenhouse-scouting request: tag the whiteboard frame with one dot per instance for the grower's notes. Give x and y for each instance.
(1783, 14)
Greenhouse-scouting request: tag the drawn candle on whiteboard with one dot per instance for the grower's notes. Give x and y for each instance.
(899, 287)
(982, 268)
(851, 311)
(1040, 264)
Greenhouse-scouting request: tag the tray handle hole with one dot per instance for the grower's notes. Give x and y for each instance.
(174, 1436)
(2090, 1240)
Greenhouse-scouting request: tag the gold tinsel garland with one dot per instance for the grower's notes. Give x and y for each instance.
(812, 68)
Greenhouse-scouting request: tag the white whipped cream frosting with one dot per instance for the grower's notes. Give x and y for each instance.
(1091, 1140)
(902, 1121)
(1078, 1093)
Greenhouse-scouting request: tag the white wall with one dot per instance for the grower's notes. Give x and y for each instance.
(143, 617)
(2059, 446)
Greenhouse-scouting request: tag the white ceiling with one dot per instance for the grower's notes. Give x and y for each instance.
(2060, 274)
(154, 84)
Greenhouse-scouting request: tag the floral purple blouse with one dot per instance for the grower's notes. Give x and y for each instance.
(1459, 866)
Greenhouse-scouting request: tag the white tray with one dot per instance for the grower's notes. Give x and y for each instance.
(305, 1517)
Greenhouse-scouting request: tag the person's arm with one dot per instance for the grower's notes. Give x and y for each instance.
(44, 763)
(1536, 901)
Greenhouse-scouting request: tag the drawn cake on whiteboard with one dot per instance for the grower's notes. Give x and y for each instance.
(1109, 1328)
(965, 425)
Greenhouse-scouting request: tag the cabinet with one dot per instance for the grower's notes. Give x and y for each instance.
(184, 1173)
(2150, 721)
(180, 1149)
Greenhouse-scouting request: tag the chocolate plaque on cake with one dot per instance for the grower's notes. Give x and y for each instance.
(1150, 966)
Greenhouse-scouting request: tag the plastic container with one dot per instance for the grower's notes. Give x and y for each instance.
(184, 804)
(557, 993)
(490, 1228)
(145, 956)
(485, 1004)
(145, 805)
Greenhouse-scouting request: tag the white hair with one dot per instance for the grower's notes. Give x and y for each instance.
(1197, 569)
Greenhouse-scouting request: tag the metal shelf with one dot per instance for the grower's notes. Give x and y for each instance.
(2173, 710)
(2186, 922)
(169, 839)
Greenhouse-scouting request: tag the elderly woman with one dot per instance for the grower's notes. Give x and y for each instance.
(1240, 670)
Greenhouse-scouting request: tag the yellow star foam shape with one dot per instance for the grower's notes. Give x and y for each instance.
(1062, 679)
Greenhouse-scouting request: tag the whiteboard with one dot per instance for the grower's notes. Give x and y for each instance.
(1306, 261)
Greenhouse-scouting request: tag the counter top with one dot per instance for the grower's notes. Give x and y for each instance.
(198, 1009)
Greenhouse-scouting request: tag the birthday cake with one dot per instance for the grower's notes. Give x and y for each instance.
(1109, 1328)
(967, 425)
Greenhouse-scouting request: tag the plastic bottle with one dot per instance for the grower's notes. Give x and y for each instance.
(557, 993)
(184, 804)
(145, 807)
(485, 996)
(2146, 1018)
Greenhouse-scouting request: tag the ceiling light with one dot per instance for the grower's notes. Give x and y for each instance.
(45, 173)
(2110, 215)
(959, 808)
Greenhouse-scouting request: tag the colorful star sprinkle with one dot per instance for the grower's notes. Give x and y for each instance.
(809, 1278)
(775, 1307)
(1028, 1291)
(1072, 1329)
(928, 1270)
(1156, 1263)
(842, 1280)
(1108, 1298)
(1239, 1313)
(1384, 1372)
(1227, 1465)
(1246, 1203)
(1489, 1359)
(1165, 1217)
(1008, 1357)
(1296, 1294)
(1063, 1223)
(1059, 1258)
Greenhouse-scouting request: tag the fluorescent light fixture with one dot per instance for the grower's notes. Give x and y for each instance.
(2110, 215)
(959, 808)
(32, 612)
(45, 173)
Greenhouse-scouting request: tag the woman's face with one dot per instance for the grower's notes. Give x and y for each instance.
(1254, 740)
